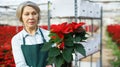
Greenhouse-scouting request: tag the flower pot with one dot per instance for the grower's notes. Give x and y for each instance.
(67, 64)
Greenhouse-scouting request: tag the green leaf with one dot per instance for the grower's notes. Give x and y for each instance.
(54, 52)
(82, 33)
(80, 49)
(84, 38)
(46, 46)
(69, 36)
(80, 36)
(56, 40)
(68, 43)
(67, 54)
(68, 40)
(59, 61)
(51, 60)
(77, 39)
(52, 34)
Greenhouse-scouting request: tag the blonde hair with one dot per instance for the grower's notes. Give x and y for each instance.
(20, 8)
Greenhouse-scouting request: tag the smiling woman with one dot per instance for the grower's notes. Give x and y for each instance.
(27, 43)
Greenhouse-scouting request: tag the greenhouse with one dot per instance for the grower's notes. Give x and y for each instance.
(59, 33)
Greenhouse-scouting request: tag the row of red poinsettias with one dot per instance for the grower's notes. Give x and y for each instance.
(6, 33)
(114, 32)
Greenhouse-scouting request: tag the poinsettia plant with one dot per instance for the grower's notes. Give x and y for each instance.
(63, 39)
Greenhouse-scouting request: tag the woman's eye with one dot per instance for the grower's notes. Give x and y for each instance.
(34, 13)
(26, 14)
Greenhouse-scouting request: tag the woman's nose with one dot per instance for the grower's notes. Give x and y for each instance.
(30, 16)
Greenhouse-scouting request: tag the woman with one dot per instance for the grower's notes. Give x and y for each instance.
(27, 43)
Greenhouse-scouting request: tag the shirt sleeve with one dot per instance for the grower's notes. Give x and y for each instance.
(17, 52)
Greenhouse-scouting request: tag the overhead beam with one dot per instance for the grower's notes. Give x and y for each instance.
(107, 1)
(7, 7)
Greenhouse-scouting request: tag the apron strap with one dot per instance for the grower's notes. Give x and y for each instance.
(35, 48)
(42, 35)
(23, 40)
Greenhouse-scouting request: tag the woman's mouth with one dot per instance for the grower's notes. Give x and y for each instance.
(31, 23)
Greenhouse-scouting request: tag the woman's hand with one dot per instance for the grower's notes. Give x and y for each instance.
(49, 66)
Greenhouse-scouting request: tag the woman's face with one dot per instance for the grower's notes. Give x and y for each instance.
(29, 17)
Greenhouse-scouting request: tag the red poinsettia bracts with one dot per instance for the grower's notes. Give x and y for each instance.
(65, 28)
(64, 35)
(114, 32)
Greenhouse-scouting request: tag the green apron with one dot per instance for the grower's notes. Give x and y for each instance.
(33, 56)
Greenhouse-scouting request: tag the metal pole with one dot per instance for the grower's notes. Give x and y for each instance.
(92, 27)
(75, 6)
(49, 3)
(76, 10)
(101, 24)
(48, 15)
(91, 57)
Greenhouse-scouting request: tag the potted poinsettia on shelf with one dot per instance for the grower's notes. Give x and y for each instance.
(65, 38)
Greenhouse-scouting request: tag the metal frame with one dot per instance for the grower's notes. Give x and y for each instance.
(76, 18)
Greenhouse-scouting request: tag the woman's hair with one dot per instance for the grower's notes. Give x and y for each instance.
(20, 8)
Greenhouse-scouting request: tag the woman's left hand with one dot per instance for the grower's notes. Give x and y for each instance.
(49, 66)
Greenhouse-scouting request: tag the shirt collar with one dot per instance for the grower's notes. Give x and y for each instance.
(25, 33)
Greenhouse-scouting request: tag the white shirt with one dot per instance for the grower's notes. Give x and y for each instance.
(17, 41)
